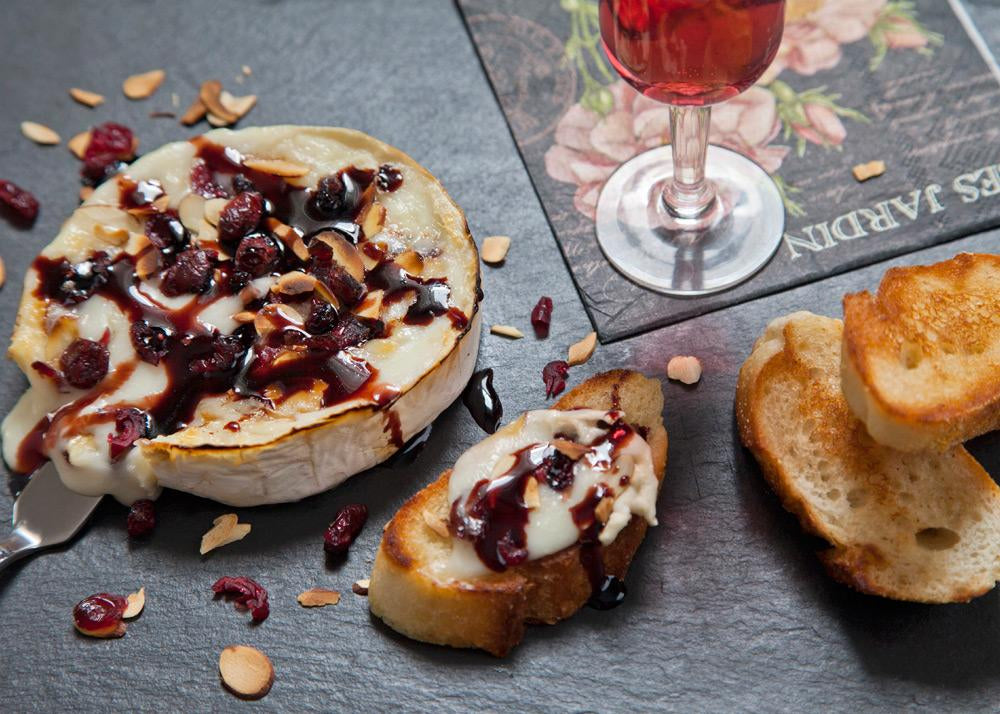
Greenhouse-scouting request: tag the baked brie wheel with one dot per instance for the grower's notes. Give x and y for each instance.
(252, 316)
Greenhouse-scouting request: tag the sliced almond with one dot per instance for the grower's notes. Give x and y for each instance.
(495, 249)
(411, 261)
(245, 317)
(604, 509)
(141, 86)
(318, 597)
(360, 587)
(371, 306)
(436, 524)
(373, 220)
(277, 167)
(684, 369)
(191, 211)
(507, 331)
(295, 283)
(531, 499)
(226, 529)
(581, 351)
(240, 106)
(88, 99)
(194, 113)
(210, 95)
(213, 207)
(175, 100)
(111, 234)
(79, 143)
(570, 449)
(246, 70)
(39, 133)
(3, 272)
(246, 671)
(147, 264)
(217, 121)
(863, 172)
(136, 601)
(346, 255)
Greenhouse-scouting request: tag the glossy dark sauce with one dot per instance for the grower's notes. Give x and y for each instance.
(482, 400)
(218, 171)
(409, 451)
(393, 428)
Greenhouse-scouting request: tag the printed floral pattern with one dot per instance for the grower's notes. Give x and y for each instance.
(612, 122)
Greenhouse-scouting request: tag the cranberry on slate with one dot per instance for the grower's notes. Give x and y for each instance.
(141, 518)
(541, 316)
(21, 203)
(152, 343)
(109, 146)
(100, 615)
(203, 182)
(130, 424)
(554, 375)
(190, 273)
(248, 594)
(257, 255)
(165, 231)
(389, 178)
(322, 317)
(240, 216)
(84, 363)
(345, 528)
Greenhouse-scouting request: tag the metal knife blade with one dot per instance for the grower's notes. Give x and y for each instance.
(45, 514)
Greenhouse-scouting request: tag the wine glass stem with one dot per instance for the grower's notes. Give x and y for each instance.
(689, 195)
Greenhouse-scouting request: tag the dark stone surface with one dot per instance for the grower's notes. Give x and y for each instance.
(728, 609)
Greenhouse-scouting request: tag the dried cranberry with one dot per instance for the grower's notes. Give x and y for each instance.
(109, 146)
(190, 273)
(240, 216)
(165, 231)
(348, 332)
(203, 182)
(99, 168)
(141, 518)
(242, 183)
(236, 280)
(322, 317)
(330, 199)
(73, 284)
(389, 177)
(99, 614)
(130, 424)
(84, 363)
(509, 552)
(345, 528)
(554, 375)
(22, 203)
(151, 343)
(324, 268)
(257, 255)
(556, 470)
(226, 352)
(541, 316)
(247, 593)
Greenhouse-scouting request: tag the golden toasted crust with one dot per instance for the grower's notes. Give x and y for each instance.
(921, 527)
(490, 612)
(921, 357)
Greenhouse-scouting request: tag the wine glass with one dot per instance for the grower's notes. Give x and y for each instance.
(667, 218)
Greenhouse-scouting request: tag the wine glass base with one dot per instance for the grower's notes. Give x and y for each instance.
(726, 245)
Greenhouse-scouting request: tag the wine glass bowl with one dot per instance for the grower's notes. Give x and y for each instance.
(665, 218)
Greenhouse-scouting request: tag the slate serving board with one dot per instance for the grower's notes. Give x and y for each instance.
(728, 609)
(823, 107)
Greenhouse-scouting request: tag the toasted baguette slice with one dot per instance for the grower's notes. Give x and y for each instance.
(923, 527)
(921, 358)
(490, 612)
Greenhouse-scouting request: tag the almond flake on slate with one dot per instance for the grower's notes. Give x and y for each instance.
(225, 530)
(531, 499)
(507, 331)
(194, 113)
(240, 106)
(86, 192)
(246, 671)
(3, 272)
(570, 449)
(246, 70)
(277, 167)
(141, 86)
(136, 601)
(360, 587)
(684, 369)
(79, 143)
(863, 172)
(495, 249)
(210, 95)
(39, 133)
(88, 99)
(581, 351)
(436, 524)
(318, 597)
(216, 121)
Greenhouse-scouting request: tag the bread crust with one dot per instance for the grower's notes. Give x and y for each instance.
(921, 357)
(490, 612)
